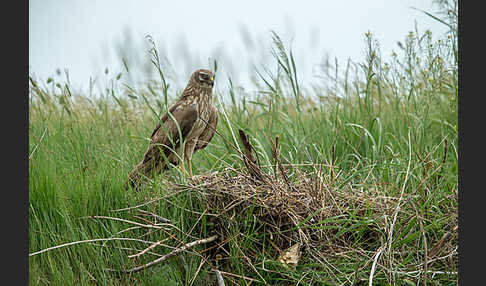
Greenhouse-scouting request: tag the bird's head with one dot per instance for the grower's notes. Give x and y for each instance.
(204, 78)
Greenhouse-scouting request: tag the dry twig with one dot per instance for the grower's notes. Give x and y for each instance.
(86, 241)
(172, 253)
(219, 277)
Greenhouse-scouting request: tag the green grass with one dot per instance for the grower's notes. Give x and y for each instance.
(386, 128)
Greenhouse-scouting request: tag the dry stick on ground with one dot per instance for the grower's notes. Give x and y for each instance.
(220, 278)
(128, 229)
(238, 276)
(174, 252)
(125, 220)
(86, 241)
(156, 217)
(126, 248)
(148, 248)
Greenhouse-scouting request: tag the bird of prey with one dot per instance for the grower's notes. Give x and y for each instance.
(196, 119)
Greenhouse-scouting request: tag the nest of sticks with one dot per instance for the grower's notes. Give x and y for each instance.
(288, 203)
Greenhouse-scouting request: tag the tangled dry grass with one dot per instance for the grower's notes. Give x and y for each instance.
(289, 210)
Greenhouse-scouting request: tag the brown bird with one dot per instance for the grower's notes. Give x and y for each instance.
(197, 119)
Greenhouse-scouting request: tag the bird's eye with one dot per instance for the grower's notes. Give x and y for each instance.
(203, 76)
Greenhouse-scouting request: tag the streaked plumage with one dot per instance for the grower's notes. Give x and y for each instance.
(191, 112)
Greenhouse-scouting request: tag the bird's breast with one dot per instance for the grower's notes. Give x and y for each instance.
(203, 108)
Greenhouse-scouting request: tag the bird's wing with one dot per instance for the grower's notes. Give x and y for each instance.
(166, 137)
(209, 131)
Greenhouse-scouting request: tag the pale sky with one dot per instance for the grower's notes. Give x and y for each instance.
(81, 35)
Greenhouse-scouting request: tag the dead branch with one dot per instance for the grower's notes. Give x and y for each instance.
(249, 160)
(238, 276)
(156, 217)
(174, 252)
(125, 220)
(148, 248)
(86, 241)
(219, 277)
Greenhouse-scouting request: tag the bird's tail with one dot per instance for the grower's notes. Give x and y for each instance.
(134, 178)
(142, 171)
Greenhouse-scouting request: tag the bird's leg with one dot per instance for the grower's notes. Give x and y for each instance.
(188, 155)
(183, 155)
(189, 165)
(183, 169)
